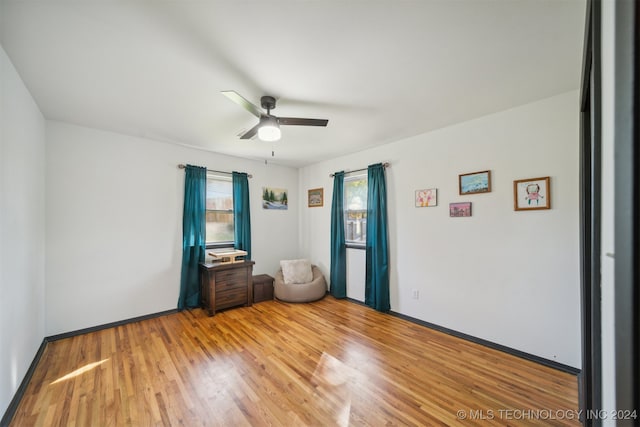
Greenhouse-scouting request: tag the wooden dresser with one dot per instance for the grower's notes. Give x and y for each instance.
(226, 285)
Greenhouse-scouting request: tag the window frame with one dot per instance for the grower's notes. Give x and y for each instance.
(353, 244)
(226, 243)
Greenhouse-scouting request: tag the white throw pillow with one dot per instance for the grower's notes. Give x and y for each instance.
(296, 271)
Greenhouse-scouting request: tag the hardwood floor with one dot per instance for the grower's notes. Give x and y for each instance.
(332, 362)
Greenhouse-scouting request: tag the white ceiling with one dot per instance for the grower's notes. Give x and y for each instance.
(379, 70)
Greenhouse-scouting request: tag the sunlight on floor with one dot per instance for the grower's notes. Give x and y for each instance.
(79, 371)
(331, 380)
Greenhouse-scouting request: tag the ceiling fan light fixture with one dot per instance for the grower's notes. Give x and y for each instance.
(269, 129)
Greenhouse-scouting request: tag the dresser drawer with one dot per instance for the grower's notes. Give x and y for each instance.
(227, 277)
(224, 285)
(231, 298)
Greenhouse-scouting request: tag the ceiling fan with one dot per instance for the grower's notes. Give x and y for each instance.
(268, 128)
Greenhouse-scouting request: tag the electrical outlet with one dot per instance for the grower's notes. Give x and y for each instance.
(415, 294)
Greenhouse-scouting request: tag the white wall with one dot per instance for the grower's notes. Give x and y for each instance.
(508, 277)
(114, 223)
(22, 220)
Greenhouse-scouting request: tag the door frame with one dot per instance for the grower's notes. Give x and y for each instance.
(590, 216)
(627, 205)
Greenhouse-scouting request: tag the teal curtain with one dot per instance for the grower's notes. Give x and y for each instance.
(193, 235)
(338, 276)
(377, 274)
(241, 213)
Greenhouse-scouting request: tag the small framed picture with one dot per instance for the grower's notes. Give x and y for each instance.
(532, 194)
(426, 198)
(475, 182)
(316, 197)
(460, 209)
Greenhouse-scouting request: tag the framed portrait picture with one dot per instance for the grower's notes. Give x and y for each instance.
(460, 209)
(531, 194)
(316, 197)
(474, 183)
(426, 198)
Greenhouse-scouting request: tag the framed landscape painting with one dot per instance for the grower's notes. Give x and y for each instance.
(274, 198)
(532, 194)
(475, 182)
(316, 197)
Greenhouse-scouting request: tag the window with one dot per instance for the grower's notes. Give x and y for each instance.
(219, 210)
(355, 210)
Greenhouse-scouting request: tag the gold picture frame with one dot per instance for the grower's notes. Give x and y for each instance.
(315, 197)
(474, 183)
(532, 194)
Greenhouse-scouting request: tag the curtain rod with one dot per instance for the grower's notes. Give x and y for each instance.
(384, 165)
(181, 166)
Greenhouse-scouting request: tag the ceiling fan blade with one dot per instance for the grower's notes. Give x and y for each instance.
(301, 122)
(251, 132)
(235, 97)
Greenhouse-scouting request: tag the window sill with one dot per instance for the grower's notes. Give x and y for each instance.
(360, 246)
(225, 245)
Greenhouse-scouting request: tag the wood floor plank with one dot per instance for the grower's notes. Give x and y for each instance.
(331, 362)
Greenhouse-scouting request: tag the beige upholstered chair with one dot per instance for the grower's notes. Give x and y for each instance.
(300, 292)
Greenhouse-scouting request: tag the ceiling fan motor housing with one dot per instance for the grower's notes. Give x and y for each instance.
(268, 102)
